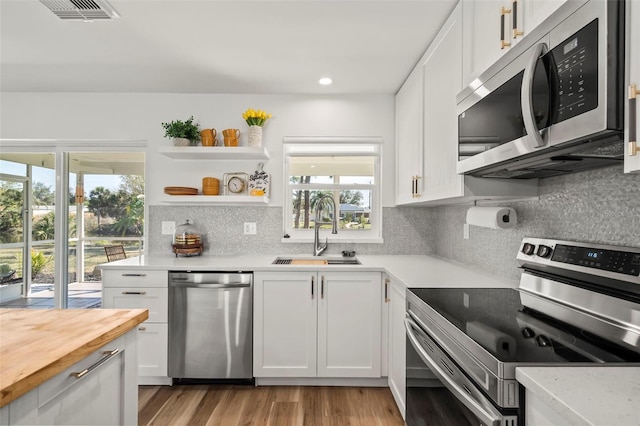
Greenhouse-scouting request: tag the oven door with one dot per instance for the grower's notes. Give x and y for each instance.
(454, 400)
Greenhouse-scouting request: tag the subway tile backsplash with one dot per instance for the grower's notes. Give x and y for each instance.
(601, 206)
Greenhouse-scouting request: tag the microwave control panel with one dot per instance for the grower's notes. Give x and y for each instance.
(576, 73)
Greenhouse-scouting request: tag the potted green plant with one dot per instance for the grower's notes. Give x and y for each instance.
(182, 132)
(6, 272)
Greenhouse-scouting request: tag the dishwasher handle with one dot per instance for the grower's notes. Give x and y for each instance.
(208, 285)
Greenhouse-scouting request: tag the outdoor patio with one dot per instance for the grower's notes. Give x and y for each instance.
(81, 296)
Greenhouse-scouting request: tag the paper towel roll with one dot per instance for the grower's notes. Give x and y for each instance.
(493, 340)
(492, 217)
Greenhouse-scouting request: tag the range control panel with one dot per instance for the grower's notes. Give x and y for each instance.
(608, 260)
(619, 260)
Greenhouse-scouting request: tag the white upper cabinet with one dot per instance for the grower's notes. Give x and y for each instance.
(482, 44)
(442, 77)
(426, 110)
(533, 12)
(492, 27)
(409, 139)
(632, 155)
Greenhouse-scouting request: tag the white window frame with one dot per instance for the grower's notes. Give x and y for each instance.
(342, 146)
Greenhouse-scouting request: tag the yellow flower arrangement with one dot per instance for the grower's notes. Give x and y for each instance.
(255, 117)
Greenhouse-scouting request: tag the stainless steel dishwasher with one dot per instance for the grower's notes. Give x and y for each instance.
(210, 325)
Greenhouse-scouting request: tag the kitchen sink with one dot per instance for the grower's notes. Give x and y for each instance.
(316, 261)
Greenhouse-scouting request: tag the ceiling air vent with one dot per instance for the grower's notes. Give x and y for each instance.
(84, 10)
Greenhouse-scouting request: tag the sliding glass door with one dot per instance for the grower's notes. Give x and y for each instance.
(58, 211)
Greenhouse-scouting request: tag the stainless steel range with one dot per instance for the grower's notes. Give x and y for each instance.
(576, 303)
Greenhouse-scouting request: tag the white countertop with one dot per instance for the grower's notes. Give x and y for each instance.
(413, 271)
(596, 396)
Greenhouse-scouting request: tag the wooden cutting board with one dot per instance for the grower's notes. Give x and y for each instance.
(308, 262)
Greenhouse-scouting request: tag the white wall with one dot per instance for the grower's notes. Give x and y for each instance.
(132, 116)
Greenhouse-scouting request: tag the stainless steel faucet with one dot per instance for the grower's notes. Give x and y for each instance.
(318, 248)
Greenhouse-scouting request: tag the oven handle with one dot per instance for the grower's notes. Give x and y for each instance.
(527, 96)
(485, 412)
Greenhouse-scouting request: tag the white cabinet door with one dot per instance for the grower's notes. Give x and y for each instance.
(481, 38)
(349, 324)
(152, 355)
(442, 73)
(409, 139)
(397, 348)
(632, 162)
(285, 323)
(533, 12)
(107, 394)
(141, 289)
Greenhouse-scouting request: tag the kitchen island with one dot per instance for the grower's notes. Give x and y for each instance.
(60, 366)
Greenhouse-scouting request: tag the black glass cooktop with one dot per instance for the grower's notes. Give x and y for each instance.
(496, 319)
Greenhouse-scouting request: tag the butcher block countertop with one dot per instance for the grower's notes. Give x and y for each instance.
(35, 345)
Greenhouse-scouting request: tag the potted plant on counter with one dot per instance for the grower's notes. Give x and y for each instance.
(182, 132)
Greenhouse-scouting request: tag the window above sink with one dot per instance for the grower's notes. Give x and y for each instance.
(348, 169)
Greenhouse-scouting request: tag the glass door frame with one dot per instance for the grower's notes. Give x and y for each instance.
(26, 226)
(62, 149)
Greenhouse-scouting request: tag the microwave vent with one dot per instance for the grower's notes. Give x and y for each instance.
(82, 10)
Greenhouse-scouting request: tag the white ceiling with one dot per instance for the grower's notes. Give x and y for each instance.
(212, 46)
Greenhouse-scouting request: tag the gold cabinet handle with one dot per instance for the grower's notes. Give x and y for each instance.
(386, 290)
(633, 121)
(322, 287)
(514, 7)
(503, 43)
(414, 186)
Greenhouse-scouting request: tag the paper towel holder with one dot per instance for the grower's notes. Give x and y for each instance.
(492, 217)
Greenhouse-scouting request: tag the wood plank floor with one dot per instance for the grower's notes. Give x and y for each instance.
(232, 405)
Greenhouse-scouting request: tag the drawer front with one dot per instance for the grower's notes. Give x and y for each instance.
(101, 360)
(134, 278)
(152, 349)
(153, 299)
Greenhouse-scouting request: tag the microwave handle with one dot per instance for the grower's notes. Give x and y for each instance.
(527, 96)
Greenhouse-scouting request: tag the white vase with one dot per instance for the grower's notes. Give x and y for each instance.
(255, 136)
(181, 142)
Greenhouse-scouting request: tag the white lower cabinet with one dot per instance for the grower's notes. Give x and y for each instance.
(106, 394)
(317, 324)
(133, 289)
(397, 345)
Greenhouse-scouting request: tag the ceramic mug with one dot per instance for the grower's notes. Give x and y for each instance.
(231, 137)
(208, 137)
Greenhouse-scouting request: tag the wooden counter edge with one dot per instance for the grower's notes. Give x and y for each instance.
(20, 387)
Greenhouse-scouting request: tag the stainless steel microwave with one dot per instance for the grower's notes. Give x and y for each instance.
(553, 105)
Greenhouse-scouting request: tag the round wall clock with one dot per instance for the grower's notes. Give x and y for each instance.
(236, 183)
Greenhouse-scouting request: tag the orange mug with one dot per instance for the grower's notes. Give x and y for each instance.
(231, 137)
(208, 137)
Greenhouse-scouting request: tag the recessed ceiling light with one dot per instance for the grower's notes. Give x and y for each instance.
(325, 81)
